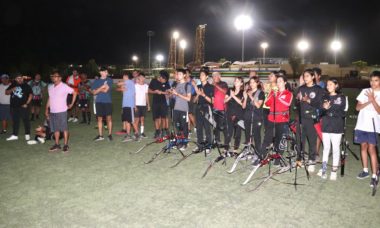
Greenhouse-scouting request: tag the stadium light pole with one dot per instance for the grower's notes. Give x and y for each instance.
(159, 58)
(303, 46)
(243, 22)
(264, 46)
(149, 34)
(175, 37)
(335, 46)
(181, 53)
(135, 59)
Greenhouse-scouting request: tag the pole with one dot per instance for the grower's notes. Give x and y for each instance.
(242, 46)
(263, 55)
(335, 57)
(149, 56)
(175, 53)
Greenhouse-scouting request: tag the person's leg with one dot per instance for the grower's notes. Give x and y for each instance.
(65, 137)
(200, 123)
(364, 154)
(237, 137)
(184, 124)
(4, 125)
(326, 147)
(37, 111)
(230, 131)
(268, 138)
(257, 135)
(16, 120)
(56, 137)
(32, 108)
(247, 125)
(109, 124)
(373, 156)
(26, 120)
(335, 140)
(100, 125)
(312, 138)
(318, 144)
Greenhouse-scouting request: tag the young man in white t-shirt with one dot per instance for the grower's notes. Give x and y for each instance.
(368, 126)
(142, 103)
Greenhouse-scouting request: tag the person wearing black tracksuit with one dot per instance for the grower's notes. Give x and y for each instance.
(253, 112)
(234, 101)
(203, 99)
(310, 98)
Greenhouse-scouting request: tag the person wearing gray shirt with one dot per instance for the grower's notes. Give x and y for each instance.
(182, 95)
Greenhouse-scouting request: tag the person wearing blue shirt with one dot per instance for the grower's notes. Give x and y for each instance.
(102, 89)
(127, 87)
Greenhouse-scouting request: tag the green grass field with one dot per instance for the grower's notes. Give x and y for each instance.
(100, 184)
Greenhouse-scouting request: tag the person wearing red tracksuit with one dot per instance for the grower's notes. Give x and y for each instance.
(278, 119)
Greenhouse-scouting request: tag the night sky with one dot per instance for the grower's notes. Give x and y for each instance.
(111, 31)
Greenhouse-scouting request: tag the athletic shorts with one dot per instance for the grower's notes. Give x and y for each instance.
(365, 137)
(37, 101)
(5, 112)
(141, 111)
(128, 115)
(103, 109)
(58, 121)
(191, 107)
(70, 99)
(83, 103)
(159, 111)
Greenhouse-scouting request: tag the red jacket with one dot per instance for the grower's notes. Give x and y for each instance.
(282, 103)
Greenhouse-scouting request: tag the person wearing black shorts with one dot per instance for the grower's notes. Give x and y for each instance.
(159, 88)
(102, 88)
(142, 102)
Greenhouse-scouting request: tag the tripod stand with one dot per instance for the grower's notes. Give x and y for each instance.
(301, 151)
(249, 150)
(344, 147)
(214, 144)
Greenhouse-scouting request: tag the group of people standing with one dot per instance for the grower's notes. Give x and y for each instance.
(210, 106)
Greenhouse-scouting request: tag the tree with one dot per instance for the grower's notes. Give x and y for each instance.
(360, 65)
(92, 68)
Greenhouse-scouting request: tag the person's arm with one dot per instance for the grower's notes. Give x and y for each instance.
(245, 96)
(47, 108)
(147, 101)
(10, 90)
(28, 101)
(238, 100)
(287, 101)
(73, 100)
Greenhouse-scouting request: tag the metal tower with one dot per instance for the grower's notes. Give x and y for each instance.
(199, 55)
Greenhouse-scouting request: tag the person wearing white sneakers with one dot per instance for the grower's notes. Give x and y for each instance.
(21, 96)
(333, 113)
(5, 107)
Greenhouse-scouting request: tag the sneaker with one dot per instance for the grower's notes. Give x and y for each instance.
(333, 175)
(32, 142)
(41, 140)
(137, 138)
(256, 162)
(322, 174)
(121, 132)
(362, 175)
(3, 132)
(127, 138)
(55, 148)
(183, 147)
(109, 137)
(374, 182)
(196, 150)
(65, 149)
(70, 119)
(27, 137)
(98, 138)
(12, 137)
(75, 120)
(311, 168)
(143, 135)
